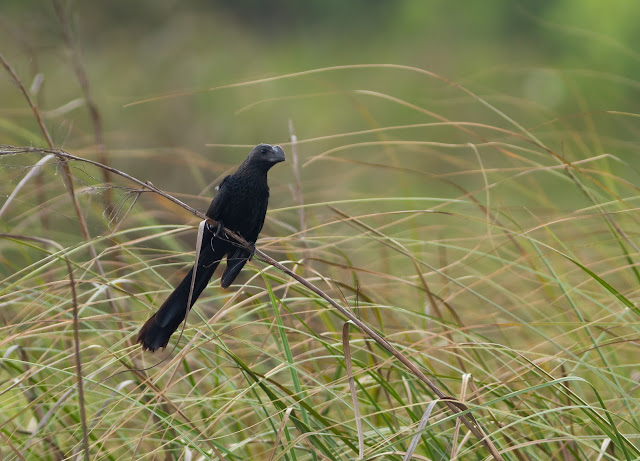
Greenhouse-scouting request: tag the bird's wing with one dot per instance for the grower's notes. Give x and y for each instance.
(219, 202)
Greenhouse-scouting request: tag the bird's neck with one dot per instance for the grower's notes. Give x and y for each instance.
(255, 171)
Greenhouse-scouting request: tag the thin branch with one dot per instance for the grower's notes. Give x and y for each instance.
(94, 114)
(296, 174)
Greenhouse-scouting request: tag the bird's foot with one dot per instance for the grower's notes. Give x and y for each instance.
(218, 229)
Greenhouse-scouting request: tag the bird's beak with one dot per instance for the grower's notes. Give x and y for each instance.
(279, 154)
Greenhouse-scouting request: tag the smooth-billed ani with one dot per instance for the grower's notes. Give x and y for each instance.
(240, 205)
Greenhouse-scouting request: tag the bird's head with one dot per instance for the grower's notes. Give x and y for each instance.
(262, 158)
(266, 154)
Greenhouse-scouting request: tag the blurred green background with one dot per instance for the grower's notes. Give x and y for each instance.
(535, 60)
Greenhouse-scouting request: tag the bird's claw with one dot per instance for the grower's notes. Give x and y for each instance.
(218, 229)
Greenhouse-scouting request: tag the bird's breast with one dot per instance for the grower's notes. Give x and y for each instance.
(246, 207)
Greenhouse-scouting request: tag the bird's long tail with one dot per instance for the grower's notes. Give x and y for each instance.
(155, 333)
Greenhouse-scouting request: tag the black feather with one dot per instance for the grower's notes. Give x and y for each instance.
(240, 205)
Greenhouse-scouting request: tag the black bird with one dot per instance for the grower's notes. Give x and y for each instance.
(240, 205)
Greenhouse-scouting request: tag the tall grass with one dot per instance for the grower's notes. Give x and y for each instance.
(501, 260)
